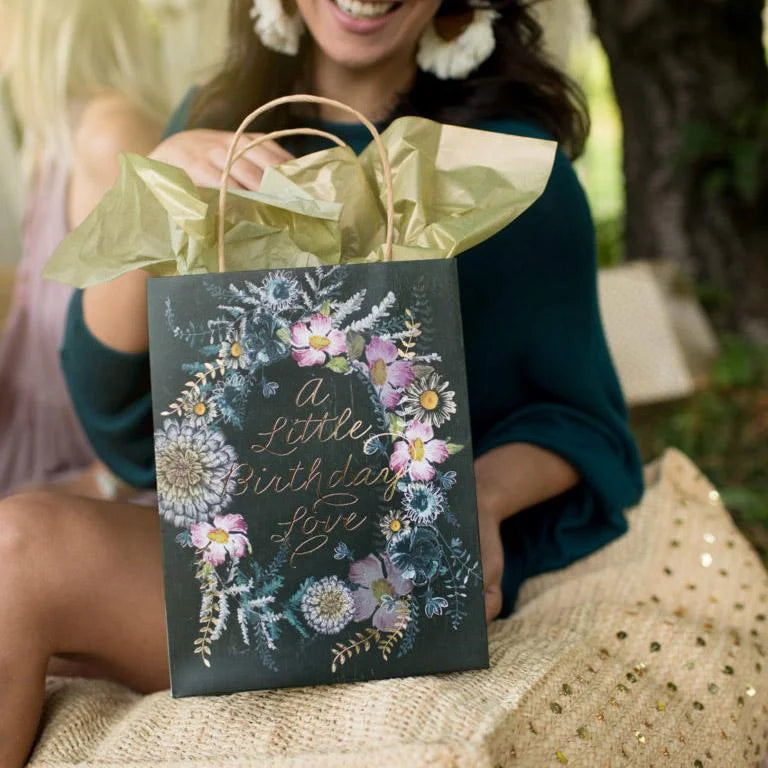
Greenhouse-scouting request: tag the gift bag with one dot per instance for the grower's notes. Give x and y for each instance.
(312, 431)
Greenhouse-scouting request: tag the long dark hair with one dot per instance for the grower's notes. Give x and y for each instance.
(517, 81)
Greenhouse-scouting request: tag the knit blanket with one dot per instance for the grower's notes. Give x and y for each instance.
(650, 652)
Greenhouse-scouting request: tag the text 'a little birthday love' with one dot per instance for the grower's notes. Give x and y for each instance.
(331, 486)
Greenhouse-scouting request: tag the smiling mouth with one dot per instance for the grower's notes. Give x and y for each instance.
(357, 9)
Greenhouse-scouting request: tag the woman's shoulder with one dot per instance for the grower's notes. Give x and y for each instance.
(108, 124)
(514, 127)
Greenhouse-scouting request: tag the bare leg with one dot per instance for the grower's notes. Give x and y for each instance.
(94, 482)
(81, 579)
(75, 665)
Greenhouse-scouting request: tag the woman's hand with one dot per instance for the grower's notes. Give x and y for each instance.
(511, 478)
(492, 553)
(203, 155)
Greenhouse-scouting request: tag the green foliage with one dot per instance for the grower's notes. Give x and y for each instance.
(610, 241)
(741, 364)
(724, 429)
(338, 365)
(732, 158)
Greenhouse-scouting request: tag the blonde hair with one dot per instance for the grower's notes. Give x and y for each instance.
(67, 52)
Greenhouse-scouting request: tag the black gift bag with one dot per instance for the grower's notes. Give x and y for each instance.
(314, 471)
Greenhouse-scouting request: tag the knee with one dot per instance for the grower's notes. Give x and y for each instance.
(24, 530)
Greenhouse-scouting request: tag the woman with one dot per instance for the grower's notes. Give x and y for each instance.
(84, 86)
(555, 463)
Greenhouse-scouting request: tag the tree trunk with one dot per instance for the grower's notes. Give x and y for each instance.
(692, 85)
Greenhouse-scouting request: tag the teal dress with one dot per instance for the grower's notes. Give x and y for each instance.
(538, 372)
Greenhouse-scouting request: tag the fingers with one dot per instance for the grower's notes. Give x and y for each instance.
(248, 171)
(209, 175)
(492, 553)
(269, 149)
(493, 565)
(203, 155)
(244, 173)
(493, 600)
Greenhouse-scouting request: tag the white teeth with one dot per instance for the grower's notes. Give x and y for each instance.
(362, 10)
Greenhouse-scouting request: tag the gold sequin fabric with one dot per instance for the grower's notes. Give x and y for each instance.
(648, 653)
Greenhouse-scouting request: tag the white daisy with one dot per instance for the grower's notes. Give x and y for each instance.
(200, 410)
(328, 605)
(393, 526)
(429, 400)
(195, 476)
(232, 352)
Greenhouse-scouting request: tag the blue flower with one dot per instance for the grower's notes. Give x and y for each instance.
(279, 291)
(448, 480)
(417, 556)
(342, 552)
(269, 388)
(423, 503)
(264, 347)
(434, 606)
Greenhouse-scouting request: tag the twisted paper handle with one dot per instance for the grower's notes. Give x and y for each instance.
(233, 156)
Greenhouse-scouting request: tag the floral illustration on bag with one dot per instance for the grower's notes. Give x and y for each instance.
(379, 601)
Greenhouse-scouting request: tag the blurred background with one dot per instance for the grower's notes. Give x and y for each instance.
(677, 174)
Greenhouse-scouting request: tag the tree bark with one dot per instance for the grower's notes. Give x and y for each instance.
(692, 84)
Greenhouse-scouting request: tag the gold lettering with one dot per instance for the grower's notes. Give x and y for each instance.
(308, 547)
(339, 476)
(310, 393)
(277, 427)
(350, 518)
(392, 485)
(298, 516)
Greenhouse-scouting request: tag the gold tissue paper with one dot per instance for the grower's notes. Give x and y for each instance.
(453, 188)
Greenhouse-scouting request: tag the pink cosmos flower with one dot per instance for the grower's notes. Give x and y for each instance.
(388, 374)
(380, 584)
(225, 537)
(316, 342)
(418, 452)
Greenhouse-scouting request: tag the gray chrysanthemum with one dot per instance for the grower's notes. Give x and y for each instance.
(195, 475)
(328, 605)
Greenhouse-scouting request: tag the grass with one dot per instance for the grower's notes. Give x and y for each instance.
(724, 429)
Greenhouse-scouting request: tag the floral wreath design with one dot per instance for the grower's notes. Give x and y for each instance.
(418, 573)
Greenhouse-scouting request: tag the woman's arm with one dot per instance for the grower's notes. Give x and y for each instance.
(516, 476)
(109, 126)
(556, 463)
(511, 478)
(116, 312)
(105, 352)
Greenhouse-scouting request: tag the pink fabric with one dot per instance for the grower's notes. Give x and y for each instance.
(40, 436)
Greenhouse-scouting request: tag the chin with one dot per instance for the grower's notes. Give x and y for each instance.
(359, 34)
(355, 57)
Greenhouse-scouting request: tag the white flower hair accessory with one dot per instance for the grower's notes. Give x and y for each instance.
(278, 30)
(455, 59)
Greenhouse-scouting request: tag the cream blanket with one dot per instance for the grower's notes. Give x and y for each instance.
(650, 652)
